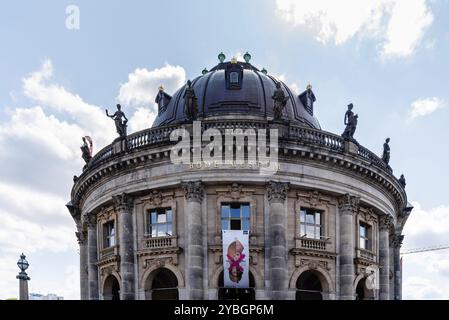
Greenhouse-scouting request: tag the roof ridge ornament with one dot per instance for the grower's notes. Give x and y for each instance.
(247, 57)
(221, 57)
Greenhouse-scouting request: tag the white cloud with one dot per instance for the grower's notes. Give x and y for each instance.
(398, 24)
(426, 274)
(58, 137)
(40, 146)
(143, 118)
(90, 118)
(424, 107)
(143, 84)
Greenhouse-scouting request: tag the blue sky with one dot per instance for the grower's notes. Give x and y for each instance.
(387, 57)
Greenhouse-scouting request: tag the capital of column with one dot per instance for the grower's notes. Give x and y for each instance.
(90, 220)
(123, 202)
(81, 237)
(194, 190)
(397, 240)
(385, 223)
(348, 204)
(277, 191)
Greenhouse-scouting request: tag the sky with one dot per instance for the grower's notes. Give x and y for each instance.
(62, 63)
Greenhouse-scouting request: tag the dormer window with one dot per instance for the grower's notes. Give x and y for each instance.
(308, 98)
(234, 76)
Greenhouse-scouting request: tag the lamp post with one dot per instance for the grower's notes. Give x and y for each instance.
(23, 277)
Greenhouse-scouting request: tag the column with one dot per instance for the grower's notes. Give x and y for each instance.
(348, 206)
(391, 267)
(277, 193)
(194, 193)
(82, 241)
(92, 257)
(397, 243)
(124, 207)
(385, 225)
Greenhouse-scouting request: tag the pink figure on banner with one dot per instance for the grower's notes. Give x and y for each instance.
(235, 257)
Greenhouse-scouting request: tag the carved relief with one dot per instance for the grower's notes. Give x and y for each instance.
(122, 202)
(397, 240)
(385, 223)
(277, 191)
(194, 190)
(159, 262)
(314, 264)
(348, 204)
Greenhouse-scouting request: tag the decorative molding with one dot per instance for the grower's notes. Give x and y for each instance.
(106, 214)
(81, 236)
(194, 190)
(299, 253)
(277, 191)
(348, 204)
(235, 191)
(123, 202)
(159, 262)
(90, 220)
(397, 240)
(385, 223)
(313, 264)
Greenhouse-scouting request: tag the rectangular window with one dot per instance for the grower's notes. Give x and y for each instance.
(160, 222)
(235, 216)
(364, 236)
(109, 234)
(310, 223)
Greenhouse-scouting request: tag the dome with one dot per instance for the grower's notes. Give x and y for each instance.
(236, 90)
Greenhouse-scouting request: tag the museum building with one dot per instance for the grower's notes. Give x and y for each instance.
(327, 224)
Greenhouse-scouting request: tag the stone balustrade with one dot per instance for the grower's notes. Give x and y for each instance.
(314, 244)
(160, 242)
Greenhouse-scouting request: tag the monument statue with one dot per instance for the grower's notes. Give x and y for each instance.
(120, 121)
(87, 149)
(386, 152)
(190, 102)
(350, 121)
(402, 181)
(280, 100)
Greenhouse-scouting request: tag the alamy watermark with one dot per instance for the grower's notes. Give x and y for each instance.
(233, 148)
(72, 20)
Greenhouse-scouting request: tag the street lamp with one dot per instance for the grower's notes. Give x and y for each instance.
(23, 277)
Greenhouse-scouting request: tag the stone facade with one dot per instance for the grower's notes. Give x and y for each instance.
(327, 224)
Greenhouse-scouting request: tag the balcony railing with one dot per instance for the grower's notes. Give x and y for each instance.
(313, 244)
(366, 255)
(160, 242)
(303, 135)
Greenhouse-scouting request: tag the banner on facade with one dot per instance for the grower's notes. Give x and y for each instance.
(236, 258)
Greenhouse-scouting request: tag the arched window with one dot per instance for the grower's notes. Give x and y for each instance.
(111, 288)
(236, 293)
(308, 287)
(163, 286)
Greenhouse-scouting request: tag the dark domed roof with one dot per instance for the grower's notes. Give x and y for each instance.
(235, 89)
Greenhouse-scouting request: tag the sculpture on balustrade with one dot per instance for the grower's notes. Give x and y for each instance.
(120, 120)
(86, 149)
(386, 152)
(190, 102)
(280, 100)
(402, 181)
(350, 121)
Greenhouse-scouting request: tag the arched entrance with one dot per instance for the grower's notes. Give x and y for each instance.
(362, 292)
(308, 286)
(162, 284)
(111, 288)
(236, 293)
